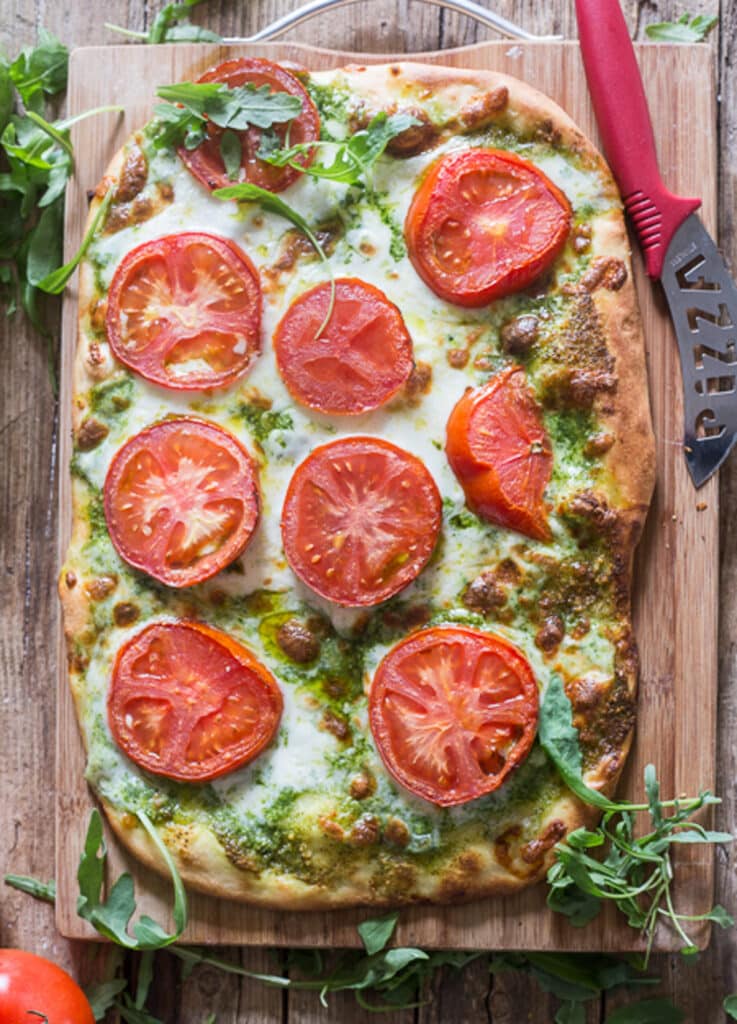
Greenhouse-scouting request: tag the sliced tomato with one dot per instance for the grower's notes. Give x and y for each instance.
(452, 712)
(189, 702)
(181, 500)
(360, 520)
(499, 450)
(206, 163)
(361, 358)
(184, 311)
(484, 223)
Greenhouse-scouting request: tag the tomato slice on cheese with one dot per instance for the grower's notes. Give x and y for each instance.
(360, 520)
(206, 163)
(181, 500)
(499, 450)
(360, 359)
(484, 223)
(189, 702)
(184, 311)
(452, 712)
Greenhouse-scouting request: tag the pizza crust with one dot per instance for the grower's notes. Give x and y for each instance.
(479, 870)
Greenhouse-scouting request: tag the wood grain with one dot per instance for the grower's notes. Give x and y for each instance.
(28, 540)
(676, 596)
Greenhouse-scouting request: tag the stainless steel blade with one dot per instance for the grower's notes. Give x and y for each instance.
(703, 304)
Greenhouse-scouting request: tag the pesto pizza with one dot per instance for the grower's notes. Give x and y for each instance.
(362, 451)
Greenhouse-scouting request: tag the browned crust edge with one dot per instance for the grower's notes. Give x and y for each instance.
(630, 466)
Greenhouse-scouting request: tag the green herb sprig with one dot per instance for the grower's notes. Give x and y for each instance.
(349, 162)
(111, 917)
(37, 160)
(246, 192)
(686, 30)
(172, 25)
(191, 105)
(636, 872)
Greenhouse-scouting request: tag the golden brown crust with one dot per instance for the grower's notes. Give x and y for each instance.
(471, 99)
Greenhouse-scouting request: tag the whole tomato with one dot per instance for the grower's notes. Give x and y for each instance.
(32, 988)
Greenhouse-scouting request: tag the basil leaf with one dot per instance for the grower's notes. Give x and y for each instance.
(376, 933)
(232, 153)
(685, 30)
(647, 1011)
(559, 740)
(33, 886)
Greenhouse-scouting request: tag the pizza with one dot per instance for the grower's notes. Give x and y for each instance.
(353, 483)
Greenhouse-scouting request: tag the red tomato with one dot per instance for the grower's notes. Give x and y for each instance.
(206, 163)
(360, 360)
(189, 702)
(32, 988)
(184, 311)
(360, 520)
(484, 223)
(452, 712)
(181, 500)
(498, 448)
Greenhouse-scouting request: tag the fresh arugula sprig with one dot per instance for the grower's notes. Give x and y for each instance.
(36, 161)
(686, 30)
(191, 106)
(172, 25)
(249, 193)
(112, 916)
(349, 162)
(45, 891)
(636, 872)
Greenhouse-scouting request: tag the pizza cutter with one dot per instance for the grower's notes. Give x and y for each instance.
(701, 294)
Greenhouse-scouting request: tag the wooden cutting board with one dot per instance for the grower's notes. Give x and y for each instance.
(676, 579)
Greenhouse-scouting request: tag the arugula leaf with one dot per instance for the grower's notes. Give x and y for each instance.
(348, 162)
(6, 95)
(559, 739)
(40, 69)
(686, 30)
(102, 997)
(111, 917)
(54, 282)
(232, 153)
(571, 1013)
(33, 886)
(246, 192)
(648, 1011)
(193, 104)
(376, 932)
(171, 25)
(730, 1006)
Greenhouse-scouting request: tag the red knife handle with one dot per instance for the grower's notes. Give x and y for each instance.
(624, 122)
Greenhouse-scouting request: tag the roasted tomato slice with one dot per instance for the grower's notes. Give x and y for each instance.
(484, 223)
(498, 449)
(189, 702)
(184, 311)
(181, 500)
(360, 520)
(206, 163)
(359, 361)
(452, 712)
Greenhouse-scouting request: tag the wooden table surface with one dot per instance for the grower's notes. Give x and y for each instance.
(28, 471)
